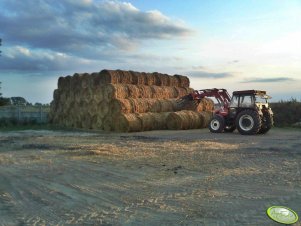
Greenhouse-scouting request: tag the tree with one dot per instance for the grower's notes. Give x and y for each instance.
(3, 101)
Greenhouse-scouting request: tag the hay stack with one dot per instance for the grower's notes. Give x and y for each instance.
(125, 101)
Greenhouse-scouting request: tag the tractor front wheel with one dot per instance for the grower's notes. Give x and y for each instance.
(248, 122)
(217, 124)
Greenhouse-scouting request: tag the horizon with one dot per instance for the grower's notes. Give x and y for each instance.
(235, 45)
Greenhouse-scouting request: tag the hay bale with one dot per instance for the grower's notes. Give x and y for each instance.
(103, 109)
(98, 94)
(86, 95)
(184, 120)
(128, 123)
(97, 122)
(121, 106)
(86, 80)
(206, 118)
(183, 81)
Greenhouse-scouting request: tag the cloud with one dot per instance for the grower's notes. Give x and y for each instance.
(268, 80)
(210, 75)
(102, 30)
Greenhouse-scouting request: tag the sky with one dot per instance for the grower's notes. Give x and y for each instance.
(234, 44)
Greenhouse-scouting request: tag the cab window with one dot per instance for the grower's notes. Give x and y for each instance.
(246, 101)
(234, 102)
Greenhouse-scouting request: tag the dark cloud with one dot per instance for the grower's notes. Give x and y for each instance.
(73, 26)
(268, 80)
(210, 75)
(80, 29)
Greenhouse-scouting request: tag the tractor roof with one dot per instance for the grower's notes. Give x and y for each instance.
(252, 92)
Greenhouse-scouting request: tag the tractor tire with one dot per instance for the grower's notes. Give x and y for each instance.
(267, 123)
(229, 129)
(248, 122)
(217, 124)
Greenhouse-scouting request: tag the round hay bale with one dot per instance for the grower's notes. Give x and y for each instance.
(61, 83)
(98, 94)
(75, 83)
(126, 78)
(87, 95)
(97, 79)
(97, 122)
(154, 105)
(183, 120)
(86, 80)
(158, 92)
(134, 77)
(208, 104)
(167, 105)
(86, 121)
(119, 106)
(144, 92)
(162, 79)
(92, 108)
(151, 79)
(174, 81)
(183, 81)
(206, 118)
(127, 123)
(103, 109)
(108, 123)
(160, 120)
(133, 92)
(147, 120)
(56, 95)
(142, 78)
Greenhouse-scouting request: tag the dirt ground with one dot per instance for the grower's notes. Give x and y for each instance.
(152, 178)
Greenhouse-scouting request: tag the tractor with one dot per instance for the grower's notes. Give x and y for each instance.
(247, 111)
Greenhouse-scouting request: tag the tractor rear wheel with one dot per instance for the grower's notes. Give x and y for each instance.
(248, 122)
(267, 123)
(217, 124)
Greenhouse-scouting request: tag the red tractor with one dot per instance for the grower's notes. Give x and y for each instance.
(247, 111)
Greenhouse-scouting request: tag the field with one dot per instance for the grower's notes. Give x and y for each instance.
(149, 178)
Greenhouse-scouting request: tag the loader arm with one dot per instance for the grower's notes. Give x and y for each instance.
(221, 95)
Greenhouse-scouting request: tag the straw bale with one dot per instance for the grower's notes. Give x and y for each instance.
(103, 109)
(141, 78)
(144, 91)
(206, 118)
(86, 95)
(86, 80)
(98, 94)
(151, 79)
(127, 123)
(184, 120)
(183, 80)
(97, 122)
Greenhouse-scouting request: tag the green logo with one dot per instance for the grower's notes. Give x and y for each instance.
(282, 214)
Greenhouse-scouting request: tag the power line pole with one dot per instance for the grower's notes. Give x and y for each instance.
(0, 45)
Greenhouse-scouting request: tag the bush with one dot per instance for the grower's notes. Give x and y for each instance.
(286, 113)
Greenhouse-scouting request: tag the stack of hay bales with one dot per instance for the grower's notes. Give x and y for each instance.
(115, 100)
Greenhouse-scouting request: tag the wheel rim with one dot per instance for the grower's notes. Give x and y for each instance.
(246, 122)
(215, 124)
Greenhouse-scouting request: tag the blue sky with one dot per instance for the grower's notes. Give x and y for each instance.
(228, 44)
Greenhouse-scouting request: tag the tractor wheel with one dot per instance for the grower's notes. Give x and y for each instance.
(267, 123)
(248, 122)
(217, 124)
(229, 129)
